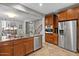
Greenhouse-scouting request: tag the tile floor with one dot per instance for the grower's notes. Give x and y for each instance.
(52, 50)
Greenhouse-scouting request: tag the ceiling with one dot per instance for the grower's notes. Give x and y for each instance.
(8, 10)
(29, 11)
(48, 7)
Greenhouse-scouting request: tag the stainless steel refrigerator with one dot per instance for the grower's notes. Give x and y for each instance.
(67, 35)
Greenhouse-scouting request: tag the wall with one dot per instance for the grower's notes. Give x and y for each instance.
(20, 31)
(43, 29)
(37, 23)
(38, 26)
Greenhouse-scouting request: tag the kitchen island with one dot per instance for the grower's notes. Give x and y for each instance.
(18, 46)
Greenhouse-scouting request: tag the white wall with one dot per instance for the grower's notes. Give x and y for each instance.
(43, 30)
(20, 32)
(41, 21)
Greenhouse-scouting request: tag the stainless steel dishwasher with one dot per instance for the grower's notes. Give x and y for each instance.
(37, 42)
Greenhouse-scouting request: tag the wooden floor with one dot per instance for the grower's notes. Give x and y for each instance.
(52, 50)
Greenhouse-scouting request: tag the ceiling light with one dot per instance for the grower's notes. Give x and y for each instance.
(40, 4)
(19, 7)
(11, 15)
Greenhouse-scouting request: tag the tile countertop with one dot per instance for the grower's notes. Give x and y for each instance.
(8, 39)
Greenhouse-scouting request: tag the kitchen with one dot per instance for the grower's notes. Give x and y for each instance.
(20, 34)
(25, 30)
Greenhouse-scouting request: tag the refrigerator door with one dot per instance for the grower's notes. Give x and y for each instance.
(70, 35)
(61, 34)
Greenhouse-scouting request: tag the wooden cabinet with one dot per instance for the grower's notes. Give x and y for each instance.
(51, 38)
(62, 16)
(55, 38)
(46, 20)
(49, 19)
(29, 45)
(47, 37)
(77, 11)
(23, 46)
(55, 22)
(6, 51)
(71, 14)
(18, 48)
(6, 48)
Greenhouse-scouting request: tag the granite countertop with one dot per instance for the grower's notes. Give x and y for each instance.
(8, 39)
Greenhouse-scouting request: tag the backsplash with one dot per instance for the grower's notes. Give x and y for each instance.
(38, 27)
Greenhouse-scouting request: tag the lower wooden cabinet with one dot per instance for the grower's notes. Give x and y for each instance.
(19, 47)
(28, 45)
(18, 50)
(23, 47)
(6, 51)
(51, 38)
(6, 48)
(55, 40)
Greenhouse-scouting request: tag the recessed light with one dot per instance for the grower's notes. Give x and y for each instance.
(40, 4)
(11, 15)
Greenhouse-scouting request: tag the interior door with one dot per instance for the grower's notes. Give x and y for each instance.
(70, 35)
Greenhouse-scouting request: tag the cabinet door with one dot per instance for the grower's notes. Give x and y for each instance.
(19, 49)
(6, 50)
(55, 22)
(77, 11)
(51, 39)
(71, 14)
(46, 37)
(55, 41)
(49, 19)
(46, 20)
(28, 45)
(62, 16)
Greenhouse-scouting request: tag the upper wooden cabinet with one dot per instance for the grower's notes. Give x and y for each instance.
(49, 19)
(71, 14)
(62, 16)
(55, 22)
(77, 11)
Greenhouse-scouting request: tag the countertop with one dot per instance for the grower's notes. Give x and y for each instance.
(17, 38)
